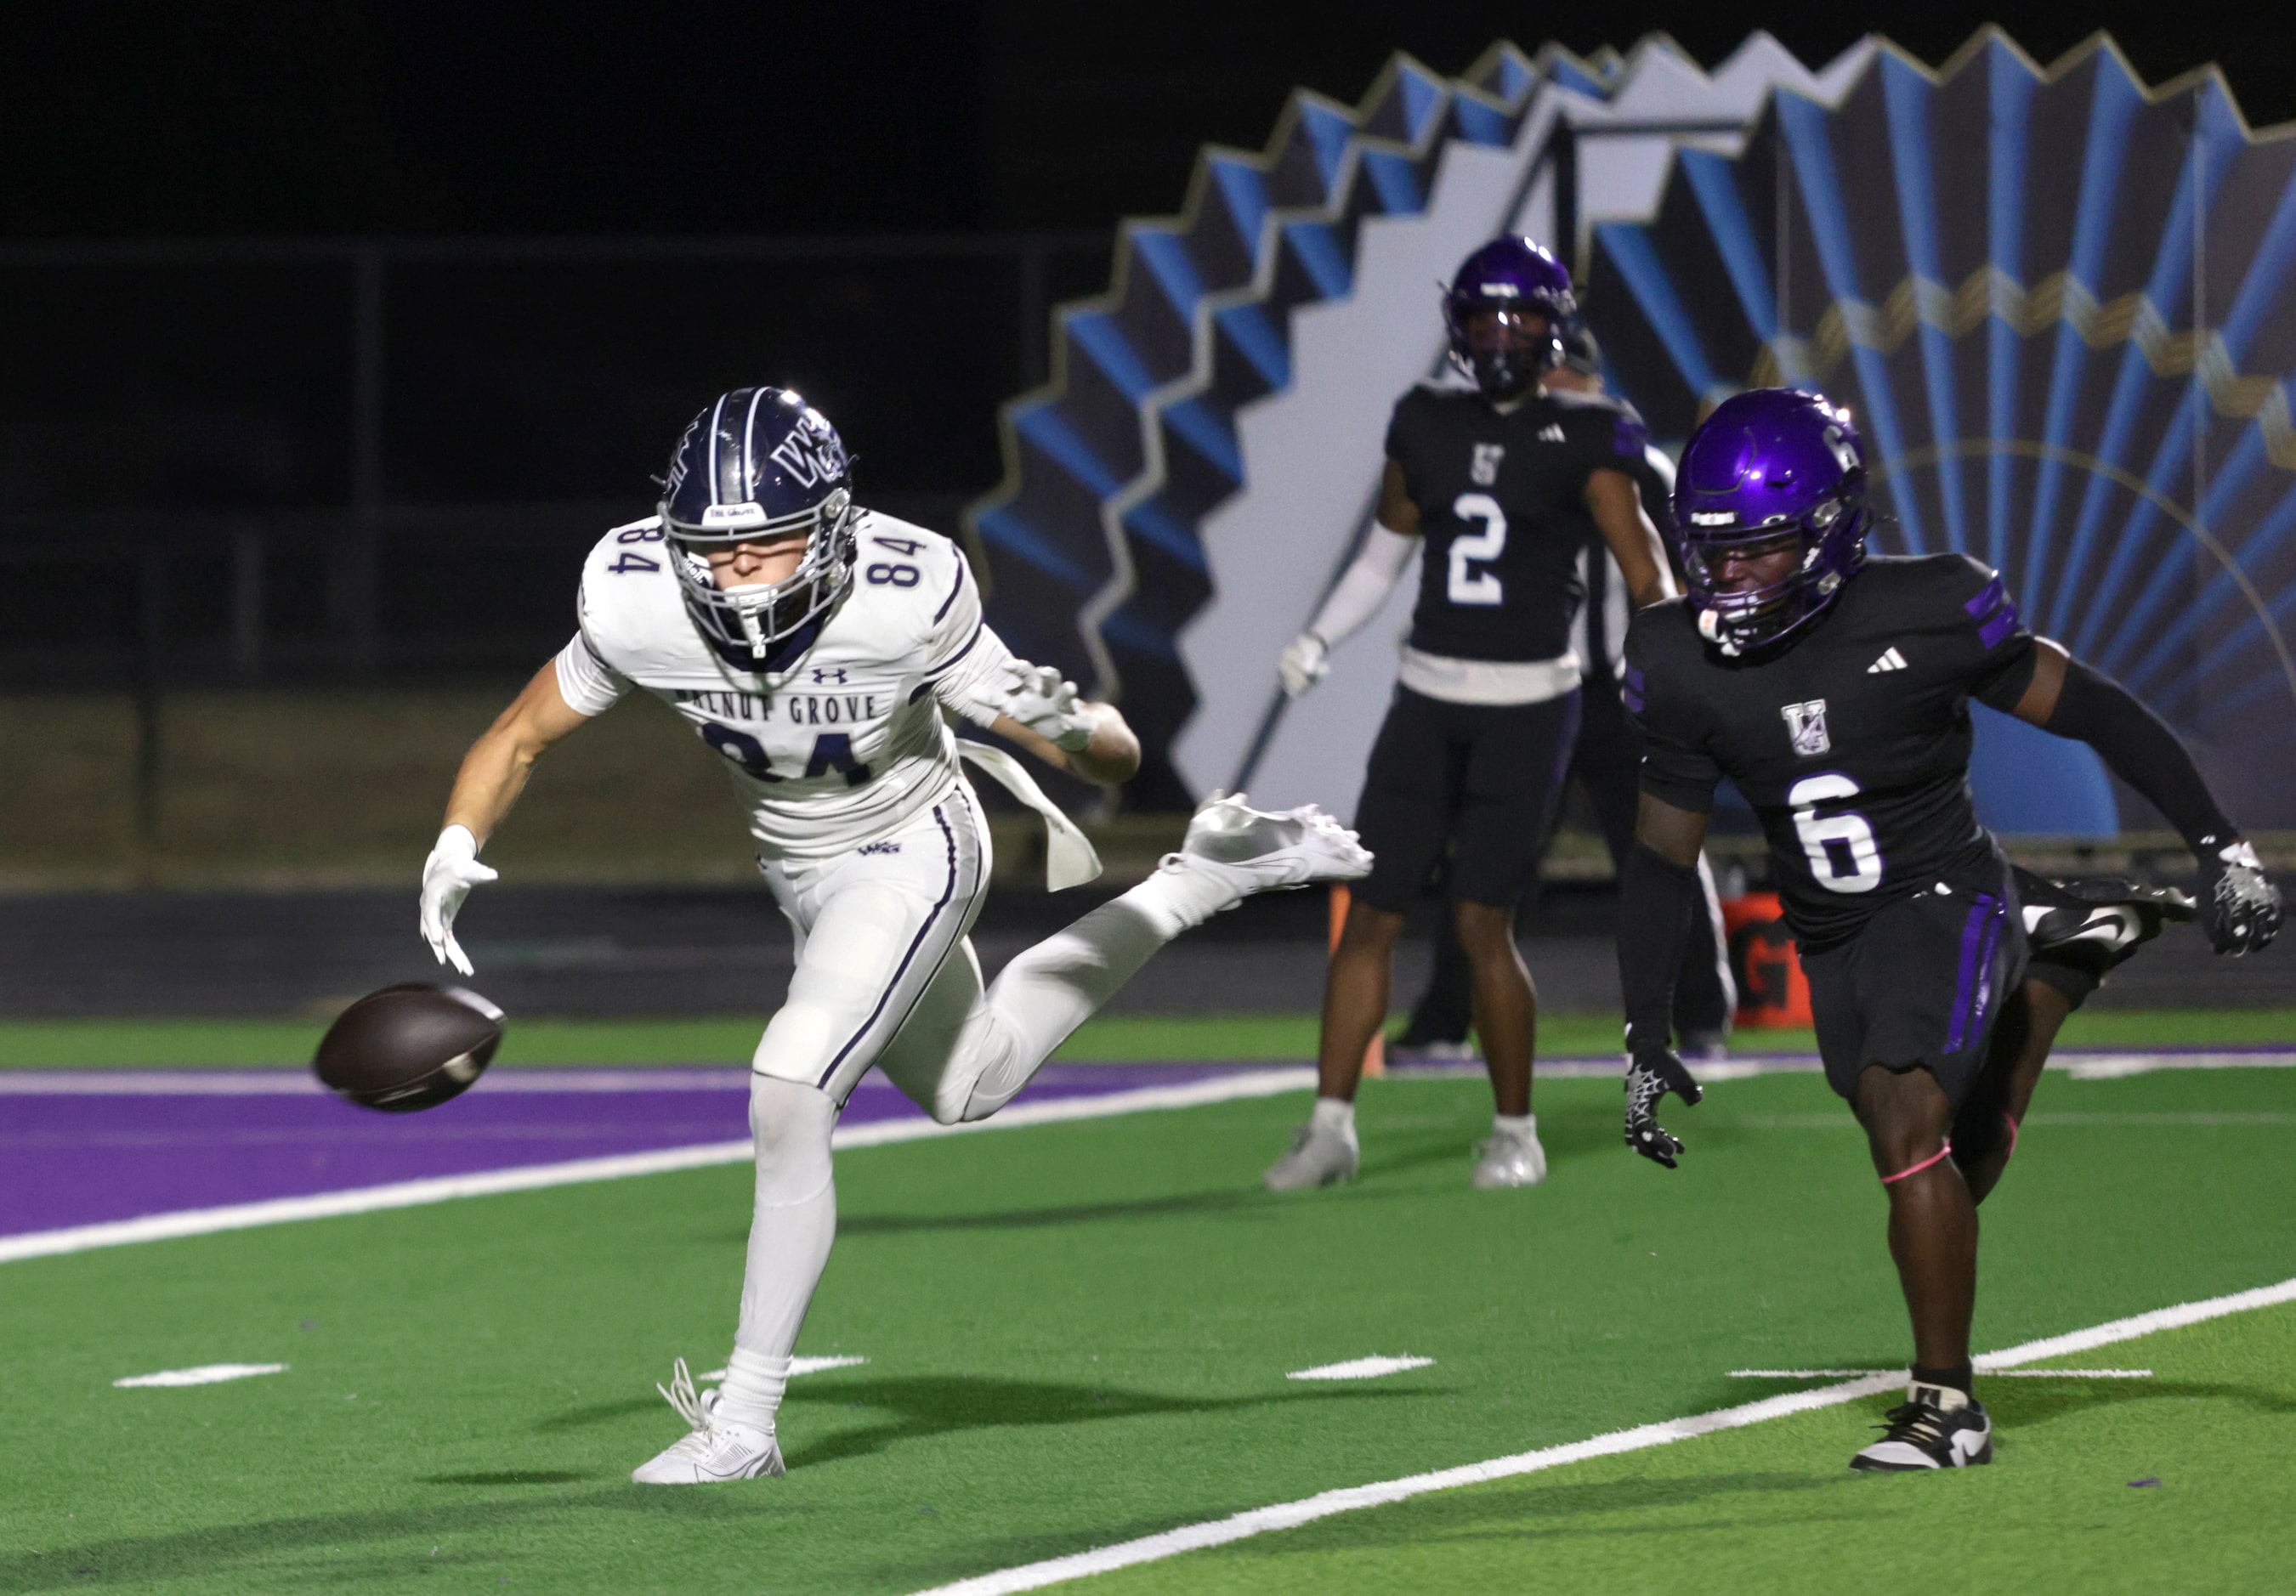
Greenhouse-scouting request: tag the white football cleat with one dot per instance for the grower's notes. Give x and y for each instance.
(716, 1449)
(1510, 1159)
(1320, 1156)
(1257, 851)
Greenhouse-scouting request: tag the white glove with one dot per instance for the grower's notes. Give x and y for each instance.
(448, 875)
(1305, 659)
(1040, 698)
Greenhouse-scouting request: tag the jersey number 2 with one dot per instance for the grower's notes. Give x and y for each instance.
(1467, 585)
(1843, 856)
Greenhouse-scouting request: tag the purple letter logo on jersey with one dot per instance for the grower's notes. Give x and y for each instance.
(1805, 724)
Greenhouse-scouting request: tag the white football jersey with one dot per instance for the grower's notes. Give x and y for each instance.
(849, 741)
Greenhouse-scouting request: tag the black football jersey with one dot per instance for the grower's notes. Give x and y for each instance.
(1500, 504)
(1851, 742)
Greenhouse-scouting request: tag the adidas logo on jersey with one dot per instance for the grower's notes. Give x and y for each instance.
(1551, 433)
(1890, 659)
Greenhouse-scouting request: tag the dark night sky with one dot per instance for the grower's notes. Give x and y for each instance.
(420, 117)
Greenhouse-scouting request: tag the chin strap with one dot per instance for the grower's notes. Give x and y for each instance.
(1069, 860)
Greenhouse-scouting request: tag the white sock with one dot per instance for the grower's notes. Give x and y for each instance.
(1517, 1125)
(791, 1230)
(1183, 894)
(1333, 1114)
(1050, 989)
(751, 1392)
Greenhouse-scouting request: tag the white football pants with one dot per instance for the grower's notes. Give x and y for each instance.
(886, 975)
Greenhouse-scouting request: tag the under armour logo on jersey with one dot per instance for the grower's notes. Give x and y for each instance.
(823, 676)
(1483, 471)
(1805, 724)
(1890, 659)
(1551, 433)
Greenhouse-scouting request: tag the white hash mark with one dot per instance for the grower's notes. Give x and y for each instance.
(206, 1374)
(799, 1366)
(1360, 1368)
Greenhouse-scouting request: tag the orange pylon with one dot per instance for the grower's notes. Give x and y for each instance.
(1375, 1055)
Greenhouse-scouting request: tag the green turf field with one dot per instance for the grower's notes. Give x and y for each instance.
(729, 1039)
(1078, 1334)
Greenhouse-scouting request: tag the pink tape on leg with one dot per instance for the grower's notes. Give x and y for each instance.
(1943, 1152)
(2012, 1123)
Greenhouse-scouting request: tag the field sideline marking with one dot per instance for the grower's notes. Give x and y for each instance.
(535, 1177)
(1290, 1515)
(286, 1081)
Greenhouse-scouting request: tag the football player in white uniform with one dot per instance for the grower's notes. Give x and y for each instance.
(816, 647)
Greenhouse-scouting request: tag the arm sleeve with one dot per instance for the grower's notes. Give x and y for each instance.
(1366, 584)
(1676, 768)
(2138, 746)
(1656, 897)
(588, 684)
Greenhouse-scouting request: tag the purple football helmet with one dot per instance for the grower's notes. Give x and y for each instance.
(1769, 465)
(1510, 279)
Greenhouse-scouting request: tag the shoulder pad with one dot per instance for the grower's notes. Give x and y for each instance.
(632, 614)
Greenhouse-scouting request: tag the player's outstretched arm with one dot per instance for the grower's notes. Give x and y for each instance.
(1362, 588)
(1658, 891)
(2241, 907)
(1615, 504)
(1111, 756)
(492, 776)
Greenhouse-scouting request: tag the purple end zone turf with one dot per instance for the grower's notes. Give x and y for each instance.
(103, 1147)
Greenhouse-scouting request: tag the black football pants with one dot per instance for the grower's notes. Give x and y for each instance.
(1607, 761)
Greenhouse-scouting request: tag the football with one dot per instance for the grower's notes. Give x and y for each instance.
(409, 1047)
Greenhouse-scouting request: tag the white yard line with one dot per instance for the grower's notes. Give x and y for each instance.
(286, 1081)
(493, 1182)
(1290, 1515)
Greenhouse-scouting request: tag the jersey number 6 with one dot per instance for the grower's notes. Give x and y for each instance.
(1468, 586)
(1842, 854)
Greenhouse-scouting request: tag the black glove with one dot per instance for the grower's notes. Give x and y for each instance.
(2239, 905)
(1653, 1072)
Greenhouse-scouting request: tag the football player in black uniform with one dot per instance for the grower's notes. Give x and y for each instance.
(1834, 690)
(1498, 487)
(1606, 762)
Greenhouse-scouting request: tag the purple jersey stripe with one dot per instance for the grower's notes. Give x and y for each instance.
(1994, 612)
(1994, 916)
(1971, 936)
(1630, 689)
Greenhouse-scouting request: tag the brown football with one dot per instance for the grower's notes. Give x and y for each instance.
(410, 1047)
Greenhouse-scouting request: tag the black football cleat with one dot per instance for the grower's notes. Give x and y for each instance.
(2095, 925)
(1936, 1427)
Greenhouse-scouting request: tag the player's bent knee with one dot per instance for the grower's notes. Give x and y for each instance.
(789, 1125)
